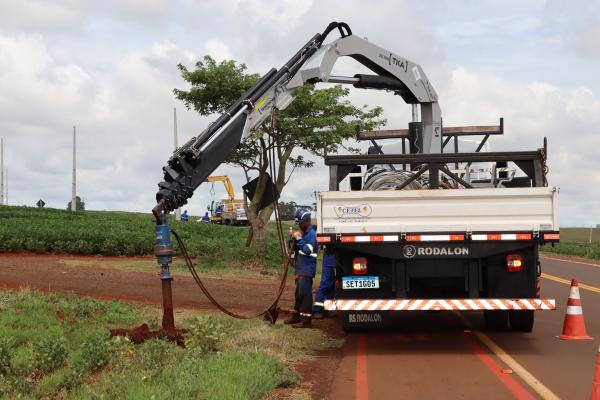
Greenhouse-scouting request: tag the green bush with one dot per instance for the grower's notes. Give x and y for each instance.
(154, 353)
(49, 353)
(85, 307)
(5, 355)
(26, 229)
(93, 353)
(575, 249)
(204, 334)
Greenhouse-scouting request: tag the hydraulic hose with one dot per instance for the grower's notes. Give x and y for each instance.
(210, 297)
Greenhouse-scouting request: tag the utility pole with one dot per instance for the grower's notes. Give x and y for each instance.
(1, 171)
(74, 182)
(176, 143)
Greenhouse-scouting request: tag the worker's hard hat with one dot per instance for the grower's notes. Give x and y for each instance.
(301, 215)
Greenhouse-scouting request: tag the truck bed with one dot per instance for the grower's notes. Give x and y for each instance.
(454, 210)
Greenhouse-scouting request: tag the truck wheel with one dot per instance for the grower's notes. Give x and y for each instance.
(496, 320)
(521, 321)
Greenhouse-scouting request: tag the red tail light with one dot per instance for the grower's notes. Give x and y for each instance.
(359, 266)
(514, 263)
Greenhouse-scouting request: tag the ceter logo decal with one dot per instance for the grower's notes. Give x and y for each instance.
(363, 210)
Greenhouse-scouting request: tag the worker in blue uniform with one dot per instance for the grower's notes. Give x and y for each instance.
(326, 286)
(306, 266)
(185, 217)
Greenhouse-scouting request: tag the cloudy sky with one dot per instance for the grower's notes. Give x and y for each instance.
(110, 67)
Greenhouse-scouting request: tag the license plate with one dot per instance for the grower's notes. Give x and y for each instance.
(360, 282)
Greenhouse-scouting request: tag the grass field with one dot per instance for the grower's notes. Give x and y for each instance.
(576, 242)
(25, 229)
(579, 235)
(56, 346)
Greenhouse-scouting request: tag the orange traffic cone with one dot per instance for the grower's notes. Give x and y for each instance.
(596, 385)
(574, 326)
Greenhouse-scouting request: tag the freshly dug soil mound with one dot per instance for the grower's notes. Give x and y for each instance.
(142, 333)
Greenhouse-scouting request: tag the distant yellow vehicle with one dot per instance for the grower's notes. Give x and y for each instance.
(227, 211)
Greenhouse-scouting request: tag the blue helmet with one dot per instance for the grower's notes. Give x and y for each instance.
(301, 215)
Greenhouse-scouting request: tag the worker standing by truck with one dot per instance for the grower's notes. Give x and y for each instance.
(306, 266)
(326, 289)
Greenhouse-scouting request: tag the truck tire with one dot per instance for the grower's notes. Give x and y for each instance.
(521, 321)
(496, 320)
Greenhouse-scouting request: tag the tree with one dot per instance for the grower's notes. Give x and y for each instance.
(287, 210)
(317, 122)
(79, 204)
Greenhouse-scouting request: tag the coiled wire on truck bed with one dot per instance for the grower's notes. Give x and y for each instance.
(385, 178)
(381, 178)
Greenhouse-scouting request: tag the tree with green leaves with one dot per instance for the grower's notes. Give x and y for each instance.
(317, 122)
(79, 204)
(287, 210)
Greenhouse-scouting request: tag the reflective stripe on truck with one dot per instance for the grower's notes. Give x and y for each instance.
(450, 237)
(439, 304)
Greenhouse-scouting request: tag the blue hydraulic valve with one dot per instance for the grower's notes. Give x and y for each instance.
(163, 249)
(164, 255)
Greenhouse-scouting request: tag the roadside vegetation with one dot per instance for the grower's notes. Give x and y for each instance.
(576, 242)
(26, 229)
(57, 346)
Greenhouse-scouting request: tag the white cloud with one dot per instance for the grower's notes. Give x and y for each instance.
(42, 16)
(568, 117)
(218, 50)
(73, 62)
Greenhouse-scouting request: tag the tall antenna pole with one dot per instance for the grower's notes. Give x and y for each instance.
(74, 182)
(176, 143)
(1, 171)
(6, 187)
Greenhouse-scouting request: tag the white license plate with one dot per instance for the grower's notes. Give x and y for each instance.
(360, 282)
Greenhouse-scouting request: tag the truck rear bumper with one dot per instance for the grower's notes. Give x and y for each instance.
(439, 304)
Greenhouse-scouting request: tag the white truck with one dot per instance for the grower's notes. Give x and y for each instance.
(448, 247)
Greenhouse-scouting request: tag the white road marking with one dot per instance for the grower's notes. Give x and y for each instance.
(570, 261)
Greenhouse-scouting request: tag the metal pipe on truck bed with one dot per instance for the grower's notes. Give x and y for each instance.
(362, 159)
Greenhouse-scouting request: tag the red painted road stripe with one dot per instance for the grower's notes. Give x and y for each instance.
(507, 380)
(362, 384)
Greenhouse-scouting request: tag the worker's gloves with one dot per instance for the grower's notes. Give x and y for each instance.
(297, 235)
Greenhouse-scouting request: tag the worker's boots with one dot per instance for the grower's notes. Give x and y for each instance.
(305, 322)
(293, 319)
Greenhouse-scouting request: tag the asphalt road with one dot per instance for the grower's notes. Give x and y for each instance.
(448, 355)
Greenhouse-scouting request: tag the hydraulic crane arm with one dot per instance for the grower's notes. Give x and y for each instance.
(226, 181)
(191, 164)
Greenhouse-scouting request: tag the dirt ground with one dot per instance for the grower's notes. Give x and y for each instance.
(51, 273)
(62, 274)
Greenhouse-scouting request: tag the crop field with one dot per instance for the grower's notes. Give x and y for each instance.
(575, 242)
(580, 235)
(59, 346)
(25, 229)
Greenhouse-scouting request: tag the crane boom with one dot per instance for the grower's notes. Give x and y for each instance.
(191, 164)
(226, 181)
